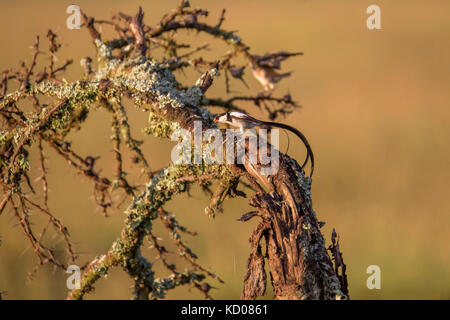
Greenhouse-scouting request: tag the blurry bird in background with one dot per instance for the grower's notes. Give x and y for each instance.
(264, 68)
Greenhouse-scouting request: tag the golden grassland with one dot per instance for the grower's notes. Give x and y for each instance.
(376, 112)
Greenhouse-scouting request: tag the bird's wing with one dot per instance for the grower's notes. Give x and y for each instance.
(243, 116)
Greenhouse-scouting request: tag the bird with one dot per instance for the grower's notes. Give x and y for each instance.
(243, 121)
(264, 68)
(268, 77)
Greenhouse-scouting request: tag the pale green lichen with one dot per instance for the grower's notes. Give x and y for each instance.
(304, 183)
(149, 76)
(161, 285)
(106, 61)
(159, 127)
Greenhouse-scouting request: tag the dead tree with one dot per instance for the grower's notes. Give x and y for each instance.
(125, 68)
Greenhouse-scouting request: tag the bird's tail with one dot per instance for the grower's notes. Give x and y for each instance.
(284, 75)
(309, 153)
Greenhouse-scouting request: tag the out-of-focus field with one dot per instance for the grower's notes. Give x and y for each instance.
(376, 109)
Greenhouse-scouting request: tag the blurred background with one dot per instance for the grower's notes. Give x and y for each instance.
(375, 108)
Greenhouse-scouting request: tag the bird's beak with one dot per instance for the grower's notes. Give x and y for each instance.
(216, 120)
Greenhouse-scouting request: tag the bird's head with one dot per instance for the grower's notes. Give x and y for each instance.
(221, 118)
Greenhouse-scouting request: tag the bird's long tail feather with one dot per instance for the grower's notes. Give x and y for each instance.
(309, 153)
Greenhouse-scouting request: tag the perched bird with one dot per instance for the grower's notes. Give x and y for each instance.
(243, 121)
